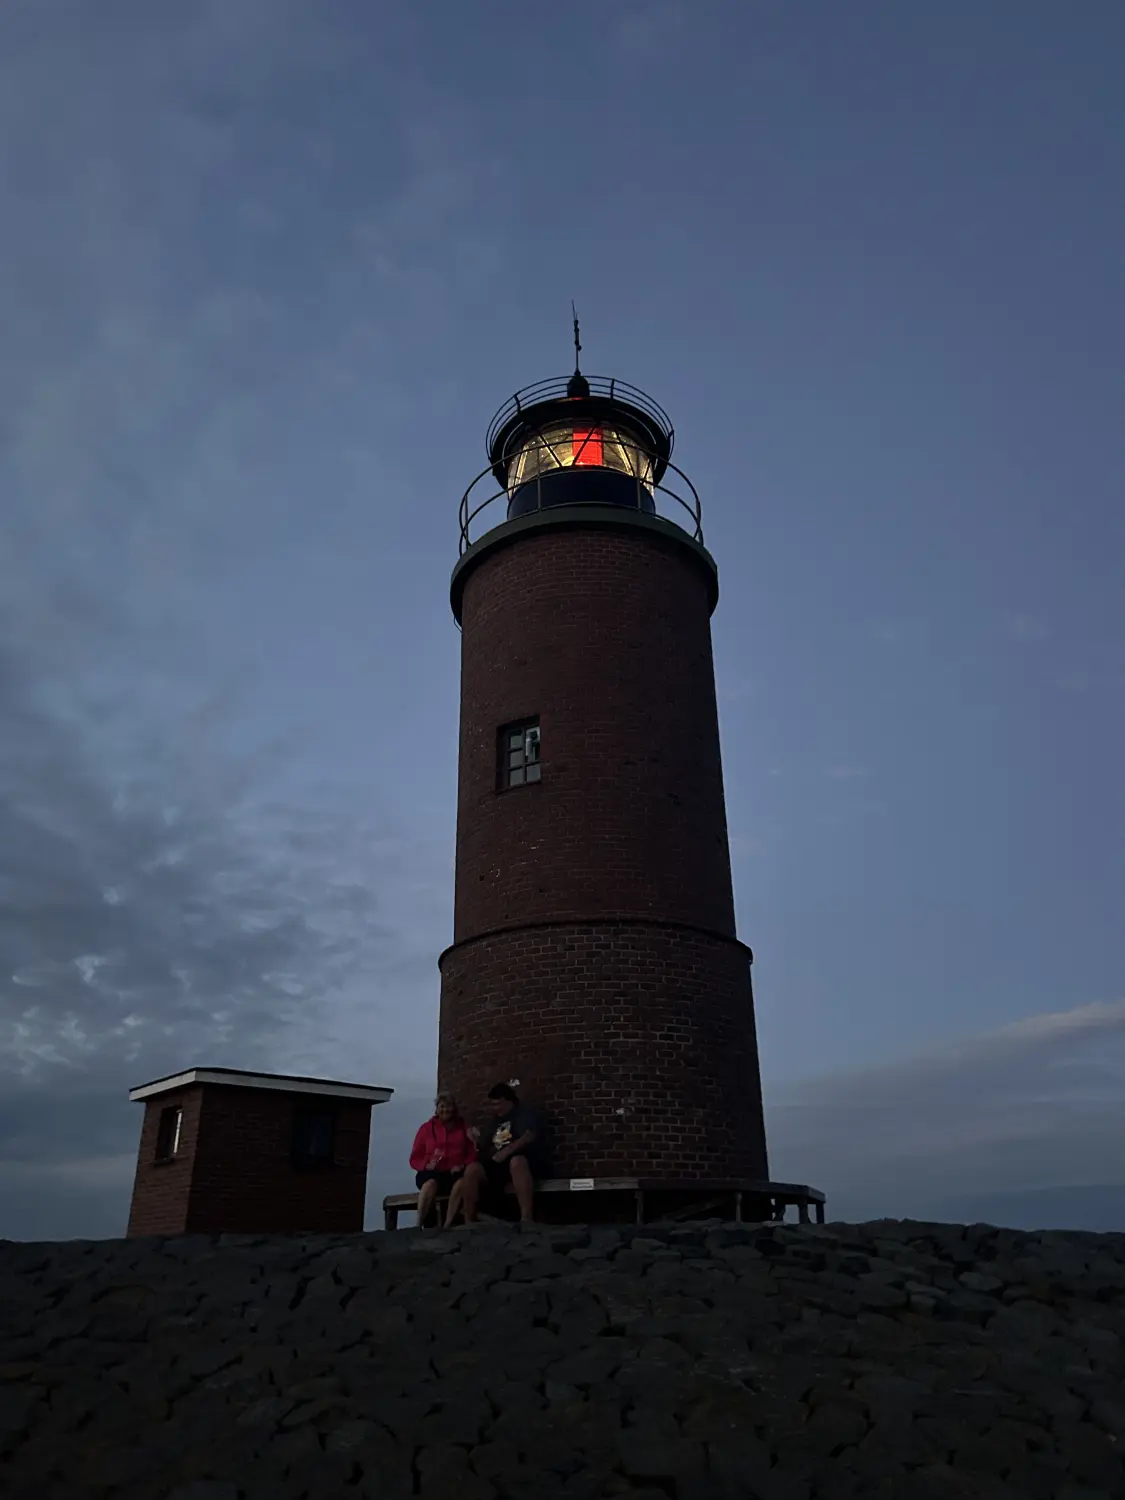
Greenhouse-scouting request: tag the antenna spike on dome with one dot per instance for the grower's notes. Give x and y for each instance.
(577, 384)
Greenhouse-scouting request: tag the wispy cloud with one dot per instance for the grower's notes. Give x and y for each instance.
(648, 33)
(1028, 1106)
(1100, 670)
(194, 230)
(1026, 629)
(846, 772)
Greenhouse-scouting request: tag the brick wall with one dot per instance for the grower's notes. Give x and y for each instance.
(161, 1189)
(605, 636)
(617, 1016)
(234, 1173)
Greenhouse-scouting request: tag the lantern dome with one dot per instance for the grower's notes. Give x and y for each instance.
(583, 440)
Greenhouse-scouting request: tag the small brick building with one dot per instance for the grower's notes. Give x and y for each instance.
(226, 1151)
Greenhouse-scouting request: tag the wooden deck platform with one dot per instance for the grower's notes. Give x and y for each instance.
(645, 1200)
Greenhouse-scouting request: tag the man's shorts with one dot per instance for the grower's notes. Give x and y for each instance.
(499, 1173)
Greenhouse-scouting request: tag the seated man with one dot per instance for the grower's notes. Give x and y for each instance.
(511, 1152)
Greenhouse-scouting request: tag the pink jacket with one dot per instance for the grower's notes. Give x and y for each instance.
(452, 1140)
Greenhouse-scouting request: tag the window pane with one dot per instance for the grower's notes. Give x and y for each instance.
(515, 777)
(313, 1136)
(515, 740)
(533, 772)
(515, 759)
(168, 1133)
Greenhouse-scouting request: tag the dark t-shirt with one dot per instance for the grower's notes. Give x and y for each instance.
(501, 1131)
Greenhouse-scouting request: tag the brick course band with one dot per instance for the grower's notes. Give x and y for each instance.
(609, 921)
(637, 1040)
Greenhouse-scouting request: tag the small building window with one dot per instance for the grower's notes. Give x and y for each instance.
(314, 1137)
(168, 1133)
(519, 753)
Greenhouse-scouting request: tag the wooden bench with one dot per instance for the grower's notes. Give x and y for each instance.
(566, 1200)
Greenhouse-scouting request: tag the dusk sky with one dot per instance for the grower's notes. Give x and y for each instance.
(269, 266)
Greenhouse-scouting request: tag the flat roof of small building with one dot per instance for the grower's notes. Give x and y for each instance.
(287, 1082)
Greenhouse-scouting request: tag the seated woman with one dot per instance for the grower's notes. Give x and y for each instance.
(443, 1148)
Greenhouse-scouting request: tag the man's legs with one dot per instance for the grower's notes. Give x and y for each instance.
(470, 1193)
(426, 1195)
(524, 1185)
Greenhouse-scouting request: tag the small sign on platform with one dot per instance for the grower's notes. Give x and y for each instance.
(581, 1184)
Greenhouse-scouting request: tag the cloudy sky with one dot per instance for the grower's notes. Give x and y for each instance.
(268, 268)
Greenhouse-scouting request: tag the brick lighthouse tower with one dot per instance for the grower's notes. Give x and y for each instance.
(595, 957)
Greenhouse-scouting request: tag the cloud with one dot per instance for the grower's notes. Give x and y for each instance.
(1026, 629)
(646, 35)
(1099, 671)
(846, 773)
(1022, 1109)
(169, 900)
(210, 271)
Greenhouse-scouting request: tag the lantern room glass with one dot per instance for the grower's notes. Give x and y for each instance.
(564, 447)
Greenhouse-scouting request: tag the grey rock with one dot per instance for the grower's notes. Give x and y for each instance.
(658, 1453)
(880, 1295)
(293, 1447)
(557, 1394)
(833, 1426)
(316, 1411)
(1108, 1413)
(266, 1412)
(888, 1392)
(18, 1404)
(205, 1489)
(723, 1418)
(511, 1395)
(588, 1366)
(980, 1281)
(861, 1356)
(457, 1422)
(1092, 1455)
(539, 1268)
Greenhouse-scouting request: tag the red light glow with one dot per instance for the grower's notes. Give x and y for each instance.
(588, 446)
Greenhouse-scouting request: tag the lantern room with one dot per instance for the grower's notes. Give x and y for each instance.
(579, 442)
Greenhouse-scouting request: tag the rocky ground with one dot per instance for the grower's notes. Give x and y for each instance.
(893, 1359)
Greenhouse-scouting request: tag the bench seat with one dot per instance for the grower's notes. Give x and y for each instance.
(748, 1200)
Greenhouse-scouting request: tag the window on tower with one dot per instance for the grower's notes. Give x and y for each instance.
(519, 753)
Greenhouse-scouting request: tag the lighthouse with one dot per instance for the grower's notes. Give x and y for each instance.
(595, 957)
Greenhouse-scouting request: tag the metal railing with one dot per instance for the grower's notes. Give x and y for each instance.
(471, 508)
(555, 389)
